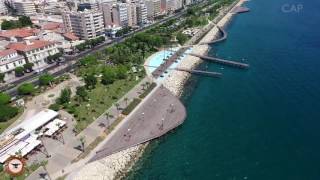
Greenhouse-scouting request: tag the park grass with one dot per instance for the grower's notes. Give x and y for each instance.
(5, 125)
(100, 98)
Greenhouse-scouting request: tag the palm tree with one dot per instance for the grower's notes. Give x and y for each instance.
(117, 106)
(147, 84)
(58, 124)
(107, 117)
(82, 141)
(126, 100)
(143, 86)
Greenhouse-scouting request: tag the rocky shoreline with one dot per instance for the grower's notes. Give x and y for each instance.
(118, 165)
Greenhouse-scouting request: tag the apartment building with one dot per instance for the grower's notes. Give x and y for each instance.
(35, 51)
(132, 14)
(142, 14)
(9, 60)
(153, 8)
(24, 7)
(106, 9)
(85, 24)
(3, 8)
(120, 14)
(173, 5)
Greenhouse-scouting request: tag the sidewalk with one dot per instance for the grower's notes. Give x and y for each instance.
(59, 161)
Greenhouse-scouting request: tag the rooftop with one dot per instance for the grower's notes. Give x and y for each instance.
(70, 36)
(22, 33)
(34, 44)
(7, 52)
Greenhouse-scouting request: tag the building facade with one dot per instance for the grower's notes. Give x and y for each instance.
(86, 24)
(3, 8)
(24, 7)
(35, 51)
(153, 8)
(142, 14)
(9, 60)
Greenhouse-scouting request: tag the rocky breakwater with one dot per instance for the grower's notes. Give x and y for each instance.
(176, 79)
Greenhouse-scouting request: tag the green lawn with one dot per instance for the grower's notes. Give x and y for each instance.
(101, 98)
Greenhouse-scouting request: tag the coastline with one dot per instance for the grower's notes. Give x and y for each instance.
(118, 165)
(177, 79)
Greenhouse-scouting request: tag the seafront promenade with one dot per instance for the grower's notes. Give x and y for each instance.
(109, 167)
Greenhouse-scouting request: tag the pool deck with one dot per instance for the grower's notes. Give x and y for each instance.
(155, 61)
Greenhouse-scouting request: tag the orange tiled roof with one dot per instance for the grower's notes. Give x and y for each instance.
(51, 26)
(22, 33)
(35, 44)
(70, 36)
(7, 52)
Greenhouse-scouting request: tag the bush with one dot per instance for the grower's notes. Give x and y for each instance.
(148, 90)
(65, 96)
(55, 107)
(131, 106)
(7, 112)
(46, 79)
(4, 99)
(26, 89)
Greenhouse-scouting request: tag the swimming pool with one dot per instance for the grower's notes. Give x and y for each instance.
(160, 57)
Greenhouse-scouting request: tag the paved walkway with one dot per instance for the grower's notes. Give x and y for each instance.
(63, 154)
(42, 101)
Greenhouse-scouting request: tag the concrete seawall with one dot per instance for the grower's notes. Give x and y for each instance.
(176, 80)
(120, 158)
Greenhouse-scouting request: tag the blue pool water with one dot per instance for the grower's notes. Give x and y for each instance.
(158, 59)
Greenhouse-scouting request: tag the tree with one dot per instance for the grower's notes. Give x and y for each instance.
(7, 112)
(25, 21)
(65, 96)
(108, 76)
(19, 71)
(55, 107)
(46, 79)
(82, 141)
(26, 89)
(143, 86)
(121, 72)
(28, 67)
(81, 92)
(126, 100)
(4, 99)
(90, 81)
(5, 25)
(2, 75)
(182, 38)
(107, 117)
(117, 106)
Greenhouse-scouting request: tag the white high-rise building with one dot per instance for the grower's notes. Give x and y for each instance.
(3, 8)
(120, 14)
(173, 5)
(153, 8)
(86, 24)
(24, 7)
(142, 14)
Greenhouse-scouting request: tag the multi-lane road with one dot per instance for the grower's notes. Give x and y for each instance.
(70, 63)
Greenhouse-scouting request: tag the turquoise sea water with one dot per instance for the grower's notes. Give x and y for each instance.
(260, 124)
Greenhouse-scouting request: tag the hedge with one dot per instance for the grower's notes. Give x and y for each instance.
(131, 106)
